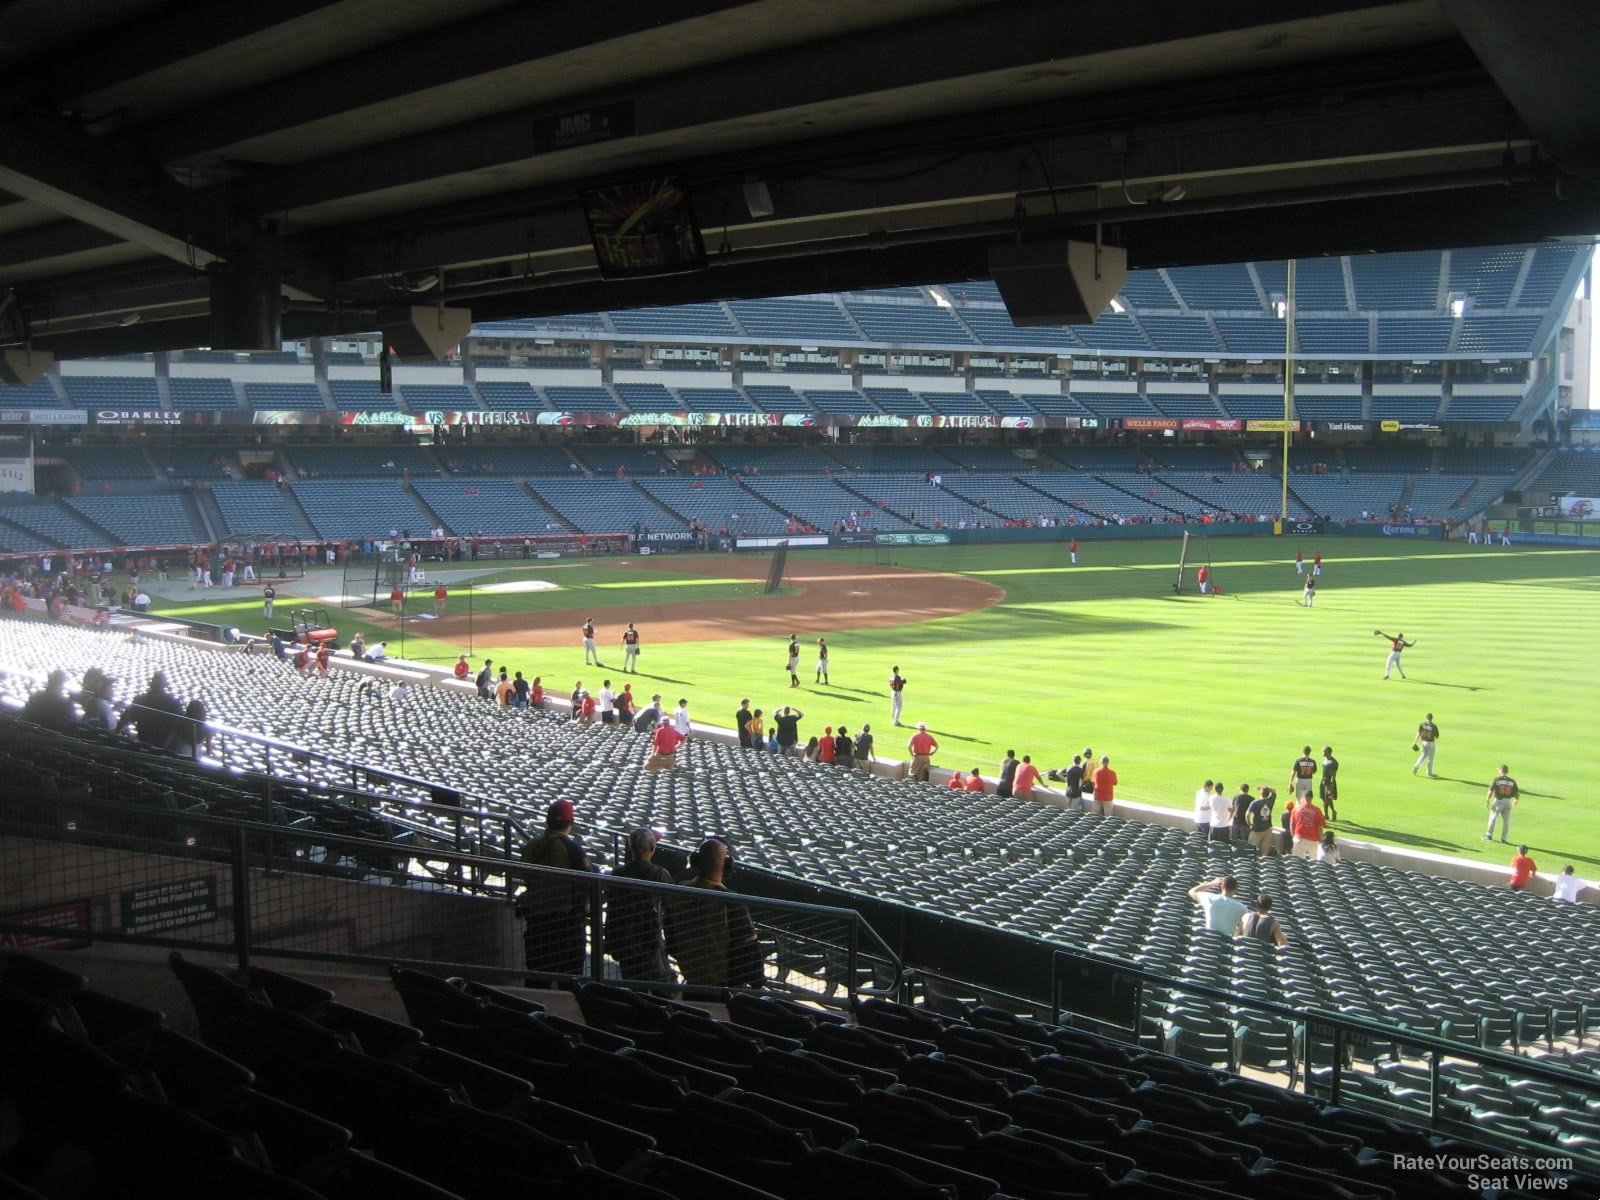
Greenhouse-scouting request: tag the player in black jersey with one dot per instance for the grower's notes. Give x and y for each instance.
(1329, 789)
(1302, 773)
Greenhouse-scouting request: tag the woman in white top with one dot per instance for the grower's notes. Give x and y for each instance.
(1328, 852)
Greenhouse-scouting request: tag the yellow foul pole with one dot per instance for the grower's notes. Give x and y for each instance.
(1288, 393)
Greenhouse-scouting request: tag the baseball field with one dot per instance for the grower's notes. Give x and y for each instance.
(1013, 647)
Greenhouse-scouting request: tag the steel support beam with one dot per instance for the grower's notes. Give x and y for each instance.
(76, 176)
(958, 75)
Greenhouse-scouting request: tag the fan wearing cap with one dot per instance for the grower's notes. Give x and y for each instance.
(923, 745)
(634, 932)
(553, 936)
(664, 743)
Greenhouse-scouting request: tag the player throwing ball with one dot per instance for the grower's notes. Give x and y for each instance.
(1397, 643)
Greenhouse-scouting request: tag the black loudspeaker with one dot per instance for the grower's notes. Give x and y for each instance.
(246, 307)
(19, 368)
(423, 333)
(1057, 283)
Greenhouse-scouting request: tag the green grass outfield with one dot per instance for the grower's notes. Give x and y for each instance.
(1179, 689)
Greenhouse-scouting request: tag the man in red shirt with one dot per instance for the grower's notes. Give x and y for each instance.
(1072, 549)
(974, 781)
(1105, 786)
(1523, 869)
(1025, 777)
(958, 782)
(439, 597)
(825, 746)
(664, 745)
(923, 745)
(1305, 827)
(462, 670)
(397, 600)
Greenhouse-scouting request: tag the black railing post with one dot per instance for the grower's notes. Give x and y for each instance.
(597, 937)
(1338, 1064)
(1433, 1087)
(241, 899)
(852, 952)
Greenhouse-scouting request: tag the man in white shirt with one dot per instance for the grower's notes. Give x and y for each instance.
(378, 653)
(608, 704)
(1202, 810)
(141, 601)
(1223, 910)
(680, 718)
(1221, 816)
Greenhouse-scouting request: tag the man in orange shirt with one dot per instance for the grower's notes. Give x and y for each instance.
(958, 782)
(1105, 786)
(1523, 869)
(1305, 827)
(1026, 776)
(397, 600)
(974, 781)
(440, 595)
(825, 746)
(923, 745)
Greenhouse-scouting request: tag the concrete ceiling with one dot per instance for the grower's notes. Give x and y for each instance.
(358, 149)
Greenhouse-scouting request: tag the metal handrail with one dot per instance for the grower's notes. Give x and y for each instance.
(1341, 1023)
(482, 870)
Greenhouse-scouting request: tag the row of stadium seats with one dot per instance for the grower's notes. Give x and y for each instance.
(762, 504)
(1424, 953)
(182, 463)
(292, 1093)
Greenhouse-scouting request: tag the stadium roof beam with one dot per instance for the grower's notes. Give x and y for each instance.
(872, 182)
(1542, 54)
(1346, 225)
(56, 165)
(148, 43)
(536, 51)
(953, 65)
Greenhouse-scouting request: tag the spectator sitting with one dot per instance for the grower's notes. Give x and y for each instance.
(1261, 924)
(95, 700)
(156, 712)
(49, 706)
(1328, 852)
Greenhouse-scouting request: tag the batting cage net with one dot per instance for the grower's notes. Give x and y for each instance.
(780, 561)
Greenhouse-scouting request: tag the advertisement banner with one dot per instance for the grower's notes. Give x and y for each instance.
(1408, 529)
(1220, 424)
(421, 421)
(16, 475)
(1408, 427)
(1149, 422)
(911, 539)
(44, 416)
(1582, 508)
(1347, 426)
(671, 535)
(1302, 527)
(1276, 426)
(137, 416)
